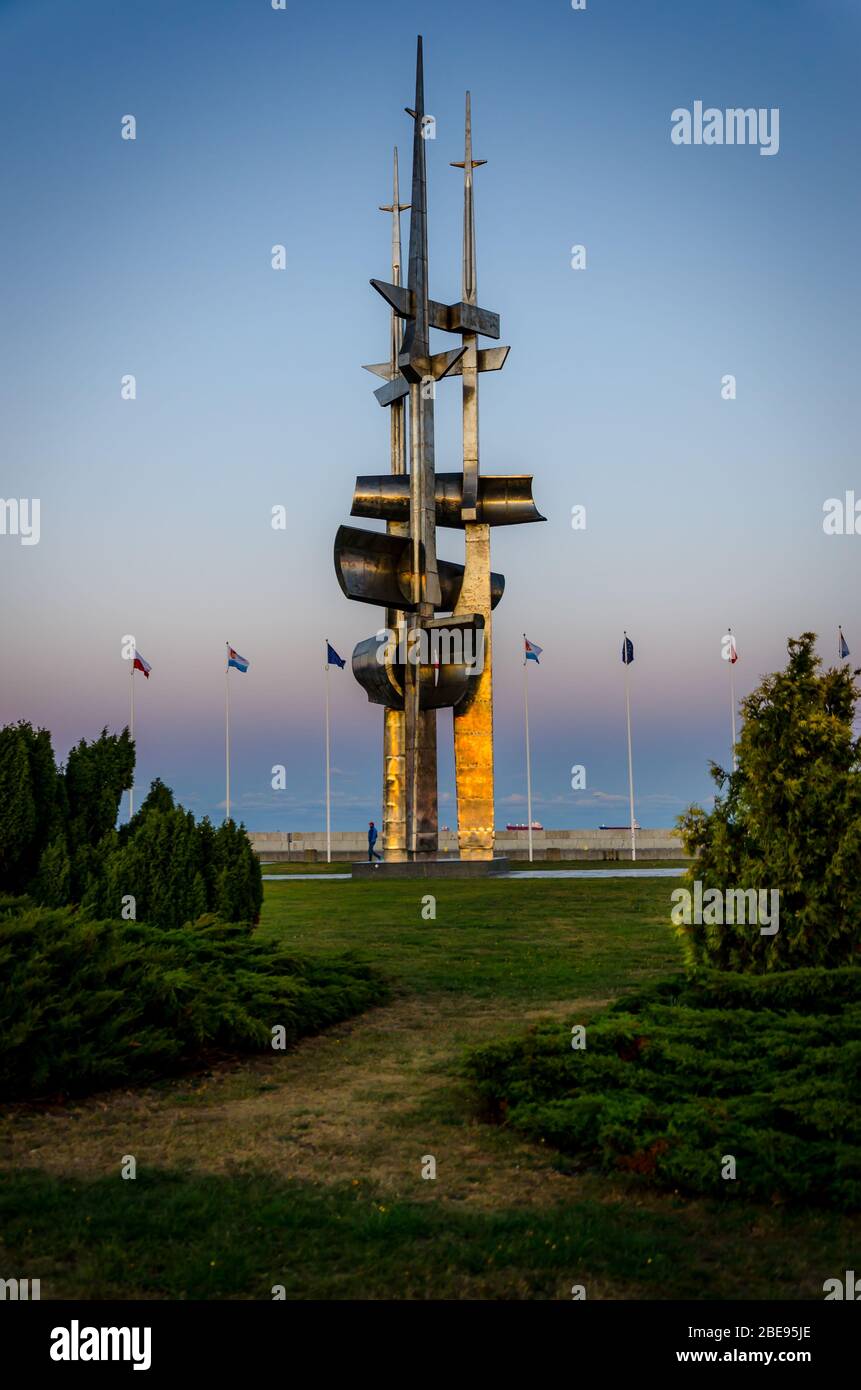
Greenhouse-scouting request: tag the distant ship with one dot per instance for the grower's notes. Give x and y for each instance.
(637, 826)
(536, 825)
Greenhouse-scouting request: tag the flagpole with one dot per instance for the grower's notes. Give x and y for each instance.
(732, 695)
(528, 759)
(630, 759)
(132, 732)
(227, 727)
(328, 790)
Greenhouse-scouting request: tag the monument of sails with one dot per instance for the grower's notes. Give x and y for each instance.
(434, 649)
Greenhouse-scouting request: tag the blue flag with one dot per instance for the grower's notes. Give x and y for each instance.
(627, 651)
(531, 652)
(332, 657)
(842, 644)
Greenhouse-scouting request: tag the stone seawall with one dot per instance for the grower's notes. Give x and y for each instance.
(609, 845)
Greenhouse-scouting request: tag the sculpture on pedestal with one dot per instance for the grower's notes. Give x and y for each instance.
(427, 660)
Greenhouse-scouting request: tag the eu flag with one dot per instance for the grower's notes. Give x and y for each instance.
(627, 651)
(332, 657)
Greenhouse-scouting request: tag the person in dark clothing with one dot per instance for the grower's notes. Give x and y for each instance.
(372, 840)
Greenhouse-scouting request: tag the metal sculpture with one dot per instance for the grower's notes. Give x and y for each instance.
(436, 650)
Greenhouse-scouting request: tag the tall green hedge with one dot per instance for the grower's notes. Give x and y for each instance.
(33, 803)
(788, 819)
(175, 868)
(58, 840)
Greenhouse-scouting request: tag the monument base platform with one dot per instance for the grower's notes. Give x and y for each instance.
(433, 868)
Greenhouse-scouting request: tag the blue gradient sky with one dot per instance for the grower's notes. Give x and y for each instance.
(258, 127)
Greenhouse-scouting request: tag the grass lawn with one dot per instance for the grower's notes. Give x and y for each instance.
(304, 1168)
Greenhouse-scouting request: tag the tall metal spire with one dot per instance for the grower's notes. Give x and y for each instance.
(469, 364)
(395, 208)
(467, 164)
(416, 344)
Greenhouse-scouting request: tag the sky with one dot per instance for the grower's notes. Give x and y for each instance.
(258, 127)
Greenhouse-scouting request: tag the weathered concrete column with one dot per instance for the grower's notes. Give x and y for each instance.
(473, 716)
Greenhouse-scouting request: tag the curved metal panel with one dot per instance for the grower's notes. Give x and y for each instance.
(378, 679)
(373, 567)
(451, 582)
(506, 499)
(503, 500)
(440, 687)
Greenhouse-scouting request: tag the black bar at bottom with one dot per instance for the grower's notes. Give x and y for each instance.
(258, 1338)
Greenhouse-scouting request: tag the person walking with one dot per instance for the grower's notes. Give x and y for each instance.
(372, 840)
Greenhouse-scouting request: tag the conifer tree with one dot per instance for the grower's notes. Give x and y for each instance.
(788, 819)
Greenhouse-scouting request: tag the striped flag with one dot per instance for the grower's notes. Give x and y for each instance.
(238, 662)
(531, 651)
(729, 653)
(140, 665)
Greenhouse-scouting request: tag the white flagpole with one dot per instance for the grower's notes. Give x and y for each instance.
(132, 732)
(732, 695)
(630, 759)
(227, 726)
(528, 760)
(328, 766)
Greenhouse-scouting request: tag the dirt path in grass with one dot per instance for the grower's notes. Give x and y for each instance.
(362, 1103)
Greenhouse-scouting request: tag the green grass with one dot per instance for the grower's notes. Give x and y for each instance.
(303, 1168)
(527, 941)
(172, 1235)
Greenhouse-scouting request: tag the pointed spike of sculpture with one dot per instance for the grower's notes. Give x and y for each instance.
(415, 342)
(467, 164)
